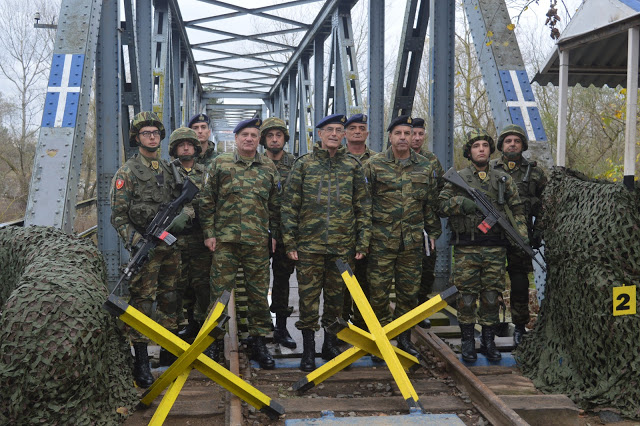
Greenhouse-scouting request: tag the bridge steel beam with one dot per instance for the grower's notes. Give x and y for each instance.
(56, 169)
(375, 88)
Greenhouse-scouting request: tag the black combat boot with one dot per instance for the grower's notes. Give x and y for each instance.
(281, 334)
(425, 323)
(518, 333)
(488, 345)
(330, 347)
(308, 361)
(261, 354)
(215, 349)
(468, 343)
(192, 327)
(404, 343)
(166, 357)
(141, 369)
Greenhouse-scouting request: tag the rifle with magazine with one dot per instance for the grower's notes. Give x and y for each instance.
(492, 215)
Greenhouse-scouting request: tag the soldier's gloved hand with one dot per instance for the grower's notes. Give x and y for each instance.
(179, 222)
(468, 206)
(133, 242)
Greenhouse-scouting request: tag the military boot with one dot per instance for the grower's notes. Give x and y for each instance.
(141, 369)
(215, 349)
(192, 327)
(330, 347)
(404, 343)
(468, 346)
(488, 345)
(281, 334)
(518, 334)
(166, 357)
(308, 361)
(425, 323)
(261, 354)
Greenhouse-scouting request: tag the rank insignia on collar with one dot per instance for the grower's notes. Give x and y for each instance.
(482, 175)
(155, 165)
(511, 164)
(119, 183)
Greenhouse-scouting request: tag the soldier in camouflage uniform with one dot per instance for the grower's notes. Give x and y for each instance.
(236, 214)
(403, 203)
(479, 259)
(531, 181)
(200, 124)
(325, 216)
(196, 258)
(273, 135)
(356, 133)
(428, 261)
(138, 189)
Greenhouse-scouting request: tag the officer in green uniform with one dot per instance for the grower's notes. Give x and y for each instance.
(200, 124)
(236, 214)
(138, 189)
(403, 203)
(273, 135)
(429, 258)
(479, 259)
(356, 133)
(531, 181)
(196, 258)
(326, 215)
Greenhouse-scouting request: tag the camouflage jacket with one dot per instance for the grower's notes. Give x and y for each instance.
(198, 175)
(207, 157)
(531, 192)
(368, 153)
(326, 207)
(137, 191)
(437, 166)
(464, 227)
(237, 200)
(403, 200)
(284, 167)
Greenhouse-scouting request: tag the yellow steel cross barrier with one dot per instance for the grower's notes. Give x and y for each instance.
(376, 342)
(189, 357)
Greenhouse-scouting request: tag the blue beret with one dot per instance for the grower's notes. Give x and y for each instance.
(403, 120)
(198, 118)
(333, 118)
(252, 122)
(418, 122)
(356, 118)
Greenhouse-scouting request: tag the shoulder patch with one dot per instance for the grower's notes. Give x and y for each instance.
(119, 183)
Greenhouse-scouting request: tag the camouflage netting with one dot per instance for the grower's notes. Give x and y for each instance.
(578, 347)
(62, 358)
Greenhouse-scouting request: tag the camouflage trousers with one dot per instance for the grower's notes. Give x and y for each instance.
(193, 286)
(318, 273)
(157, 282)
(405, 266)
(349, 309)
(479, 272)
(428, 276)
(254, 260)
(518, 266)
(282, 268)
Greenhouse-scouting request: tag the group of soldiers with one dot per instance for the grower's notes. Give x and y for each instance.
(378, 212)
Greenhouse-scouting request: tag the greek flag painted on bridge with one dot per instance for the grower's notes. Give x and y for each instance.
(63, 93)
(522, 105)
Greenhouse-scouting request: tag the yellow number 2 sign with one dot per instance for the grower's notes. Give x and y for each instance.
(624, 300)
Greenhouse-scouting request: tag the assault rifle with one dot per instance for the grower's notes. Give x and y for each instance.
(157, 231)
(492, 215)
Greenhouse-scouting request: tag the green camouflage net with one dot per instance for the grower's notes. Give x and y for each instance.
(578, 347)
(63, 359)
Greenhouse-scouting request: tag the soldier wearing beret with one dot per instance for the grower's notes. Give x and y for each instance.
(138, 189)
(273, 135)
(326, 215)
(428, 261)
(531, 181)
(201, 124)
(479, 258)
(236, 214)
(403, 197)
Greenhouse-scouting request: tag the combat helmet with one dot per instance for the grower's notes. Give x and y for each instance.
(513, 129)
(478, 135)
(183, 134)
(273, 123)
(142, 119)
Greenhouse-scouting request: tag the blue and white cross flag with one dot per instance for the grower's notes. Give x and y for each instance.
(63, 93)
(522, 105)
